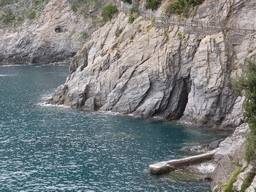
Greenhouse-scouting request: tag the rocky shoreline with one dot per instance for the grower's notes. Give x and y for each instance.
(147, 68)
(166, 72)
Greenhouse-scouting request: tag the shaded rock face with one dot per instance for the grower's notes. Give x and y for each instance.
(166, 72)
(53, 37)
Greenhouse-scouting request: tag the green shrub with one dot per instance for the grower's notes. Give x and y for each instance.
(150, 27)
(250, 50)
(20, 18)
(246, 85)
(165, 32)
(127, 1)
(182, 6)
(8, 17)
(229, 185)
(108, 11)
(74, 9)
(152, 4)
(118, 32)
(134, 11)
(84, 35)
(102, 23)
(32, 15)
(185, 12)
(248, 180)
(6, 2)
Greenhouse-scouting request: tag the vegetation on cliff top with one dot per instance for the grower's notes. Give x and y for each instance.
(182, 6)
(14, 12)
(153, 4)
(108, 11)
(245, 85)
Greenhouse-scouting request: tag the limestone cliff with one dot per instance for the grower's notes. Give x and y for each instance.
(165, 69)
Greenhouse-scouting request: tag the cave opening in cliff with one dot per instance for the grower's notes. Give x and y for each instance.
(58, 29)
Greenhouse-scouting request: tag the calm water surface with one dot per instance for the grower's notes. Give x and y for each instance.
(59, 149)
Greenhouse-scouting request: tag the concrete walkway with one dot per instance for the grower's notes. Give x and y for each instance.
(168, 166)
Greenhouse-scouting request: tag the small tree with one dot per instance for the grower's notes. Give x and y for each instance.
(8, 16)
(152, 4)
(108, 11)
(246, 85)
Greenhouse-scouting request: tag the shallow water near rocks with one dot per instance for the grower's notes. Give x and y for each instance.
(46, 148)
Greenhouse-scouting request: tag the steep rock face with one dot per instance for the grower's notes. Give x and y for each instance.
(55, 36)
(210, 98)
(164, 70)
(144, 71)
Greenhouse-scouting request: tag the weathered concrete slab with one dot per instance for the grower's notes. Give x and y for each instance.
(167, 166)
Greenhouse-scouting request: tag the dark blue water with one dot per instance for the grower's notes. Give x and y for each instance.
(58, 149)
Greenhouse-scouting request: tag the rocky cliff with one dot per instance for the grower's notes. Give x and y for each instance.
(55, 35)
(176, 69)
(166, 70)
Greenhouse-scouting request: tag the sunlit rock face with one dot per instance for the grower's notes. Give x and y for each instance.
(167, 71)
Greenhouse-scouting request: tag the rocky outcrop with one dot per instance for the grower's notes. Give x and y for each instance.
(229, 157)
(150, 74)
(211, 97)
(233, 145)
(55, 36)
(222, 173)
(163, 70)
(143, 71)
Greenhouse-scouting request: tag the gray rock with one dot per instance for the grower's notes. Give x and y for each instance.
(174, 76)
(235, 118)
(233, 143)
(39, 41)
(214, 144)
(222, 172)
(89, 105)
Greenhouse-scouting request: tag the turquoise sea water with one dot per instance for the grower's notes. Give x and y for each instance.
(46, 148)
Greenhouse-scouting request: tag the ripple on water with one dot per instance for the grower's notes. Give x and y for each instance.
(46, 148)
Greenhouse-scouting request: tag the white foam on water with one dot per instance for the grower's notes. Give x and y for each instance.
(109, 113)
(6, 75)
(11, 65)
(204, 167)
(45, 98)
(44, 104)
